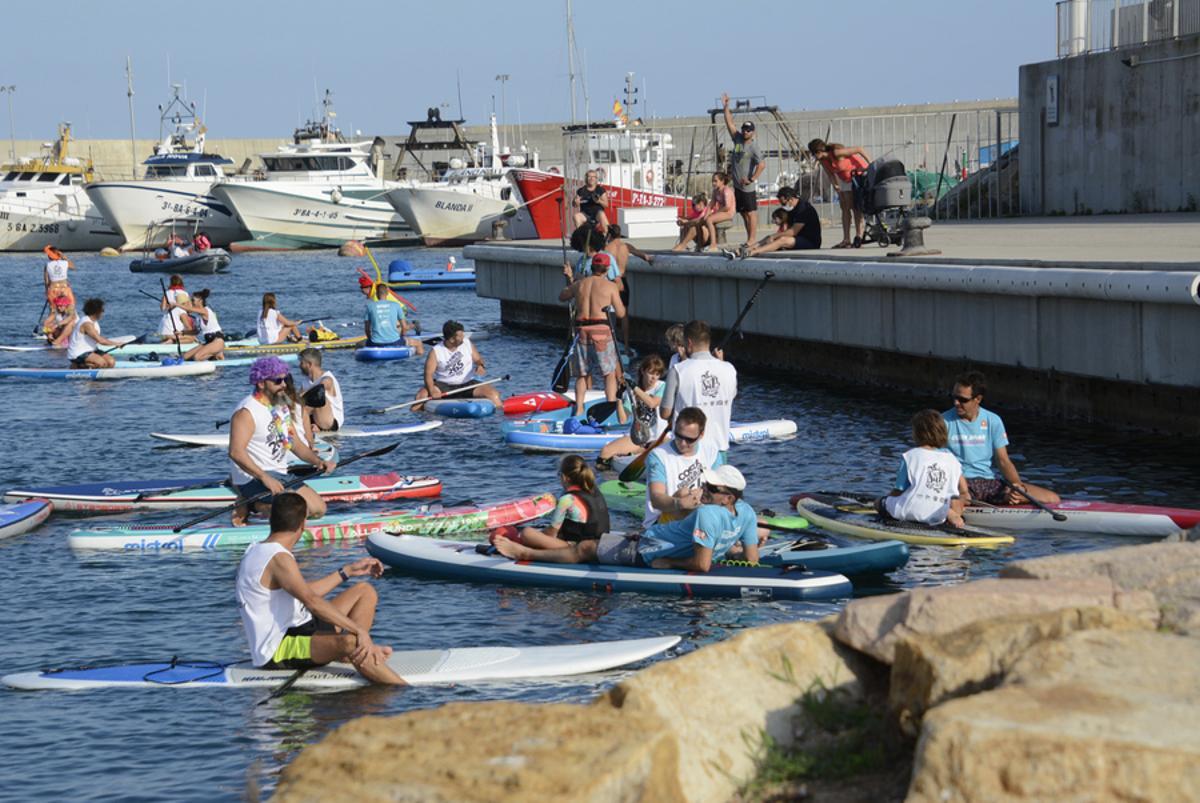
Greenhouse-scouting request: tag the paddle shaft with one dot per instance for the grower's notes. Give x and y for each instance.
(456, 391)
(37, 327)
(138, 339)
(1054, 514)
(171, 315)
(287, 684)
(737, 323)
(292, 483)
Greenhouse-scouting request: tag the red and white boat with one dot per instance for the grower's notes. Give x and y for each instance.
(631, 162)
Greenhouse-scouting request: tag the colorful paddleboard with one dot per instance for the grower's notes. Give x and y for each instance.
(545, 401)
(117, 497)
(23, 516)
(417, 667)
(458, 560)
(330, 530)
(855, 515)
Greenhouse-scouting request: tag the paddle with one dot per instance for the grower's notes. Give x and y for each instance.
(292, 483)
(138, 339)
(168, 491)
(1054, 514)
(561, 365)
(634, 470)
(37, 327)
(287, 684)
(171, 316)
(463, 389)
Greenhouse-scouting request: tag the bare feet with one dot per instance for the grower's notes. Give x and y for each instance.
(513, 550)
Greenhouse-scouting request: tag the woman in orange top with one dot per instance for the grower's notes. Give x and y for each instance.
(841, 163)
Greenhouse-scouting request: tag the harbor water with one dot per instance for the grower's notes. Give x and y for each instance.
(68, 609)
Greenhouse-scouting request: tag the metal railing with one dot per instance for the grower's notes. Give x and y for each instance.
(977, 148)
(1091, 26)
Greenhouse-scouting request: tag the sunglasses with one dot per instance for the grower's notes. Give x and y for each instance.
(716, 489)
(961, 399)
(279, 380)
(685, 438)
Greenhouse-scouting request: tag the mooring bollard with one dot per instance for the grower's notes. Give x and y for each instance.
(913, 244)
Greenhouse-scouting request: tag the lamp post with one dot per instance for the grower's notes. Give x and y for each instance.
(503, 79)
(12, 129)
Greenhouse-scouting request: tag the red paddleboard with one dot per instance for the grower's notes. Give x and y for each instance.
(536, 402)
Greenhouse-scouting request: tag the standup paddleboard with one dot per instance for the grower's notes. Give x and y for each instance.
(1084, 516)
(545, 401)
(123, 370)
(382, 353)
(117, 497)
(123, 339)
(458, 560)
(330, 530)
(460, 408)
(221, 439)
(855, 515)
(23, 516)
(417, 667)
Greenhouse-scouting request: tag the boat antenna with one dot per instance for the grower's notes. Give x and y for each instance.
(132, 137)
(458, 81)
(571, 58)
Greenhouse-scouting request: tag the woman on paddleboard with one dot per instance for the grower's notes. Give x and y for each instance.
(580, 515)
(176, 324)
(55, 276)
(274, 326)
(60, 322)
(647, 425)
(212, 339)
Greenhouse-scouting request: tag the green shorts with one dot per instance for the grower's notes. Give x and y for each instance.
(295, 650)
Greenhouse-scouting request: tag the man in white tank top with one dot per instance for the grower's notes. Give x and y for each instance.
(329, 415)
(288, 622)
(86, 337)
(453, 364)
(261, 433)
(673, 470)
(704, 381)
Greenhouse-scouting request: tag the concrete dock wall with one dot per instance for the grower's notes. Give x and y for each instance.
(1127, 134)
(1114, 344)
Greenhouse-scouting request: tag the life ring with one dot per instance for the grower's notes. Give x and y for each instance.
(650, 176)
(601, 174)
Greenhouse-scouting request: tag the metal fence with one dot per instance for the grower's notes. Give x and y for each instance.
(972, 151)
(1090, 26)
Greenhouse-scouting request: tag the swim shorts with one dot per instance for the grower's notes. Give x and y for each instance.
(295, 650)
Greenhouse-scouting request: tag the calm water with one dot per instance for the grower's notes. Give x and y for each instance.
(65, 609)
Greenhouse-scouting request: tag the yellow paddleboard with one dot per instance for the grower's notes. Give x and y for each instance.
(856, 516)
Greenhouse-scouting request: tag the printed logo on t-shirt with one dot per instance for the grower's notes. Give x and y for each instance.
(454, 365)
(935, 478)
(983, 423)
(709, 385)
(690, 476)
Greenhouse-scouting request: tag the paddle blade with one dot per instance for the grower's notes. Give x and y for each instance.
(633, 472)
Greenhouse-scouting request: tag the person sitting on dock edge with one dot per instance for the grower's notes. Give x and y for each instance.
(802, 231)
(287, 620)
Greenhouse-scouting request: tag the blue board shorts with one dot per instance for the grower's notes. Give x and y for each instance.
(256, 487)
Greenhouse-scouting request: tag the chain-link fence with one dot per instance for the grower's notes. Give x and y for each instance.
(1089, 26)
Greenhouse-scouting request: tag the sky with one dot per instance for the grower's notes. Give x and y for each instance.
(255, 67)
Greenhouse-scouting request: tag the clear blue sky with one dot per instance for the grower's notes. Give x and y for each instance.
(386, 62)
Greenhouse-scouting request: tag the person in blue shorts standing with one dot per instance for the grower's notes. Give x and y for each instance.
(978, 439)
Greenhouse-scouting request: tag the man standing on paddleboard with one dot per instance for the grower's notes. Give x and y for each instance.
(261, 433)
(979, 441)
(703, 380)
(596, 348)
(288, 622)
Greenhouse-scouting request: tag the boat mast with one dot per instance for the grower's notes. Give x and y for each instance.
(571, 58)
(132, 135)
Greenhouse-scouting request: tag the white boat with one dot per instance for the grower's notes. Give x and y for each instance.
(42, 202)
(320, 191)
(176, 191)
(462, 205)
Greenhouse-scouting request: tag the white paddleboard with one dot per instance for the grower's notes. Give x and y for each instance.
(417, 667)
(221, 439)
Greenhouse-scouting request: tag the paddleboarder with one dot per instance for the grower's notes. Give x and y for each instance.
(453, 364)
(580, 515)
(262, 432)
(386, 321)
(330, 414)
(978, 439)
(212, 339)
(288, 622)
(691, 544)
(647, 425)
(55, 275)
(703, 380)
(595, 349)
(930, 487)
(273, 326)
(60, 322)
(673, 470)
(86, 338)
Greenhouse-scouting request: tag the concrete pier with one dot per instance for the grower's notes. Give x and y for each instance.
(1113, 340)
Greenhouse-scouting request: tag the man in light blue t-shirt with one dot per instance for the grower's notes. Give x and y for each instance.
(386, 324)
(978, 440)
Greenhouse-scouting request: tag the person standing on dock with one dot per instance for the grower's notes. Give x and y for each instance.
(288, 622)
(978, 439)
(745, 165)
(703, 380)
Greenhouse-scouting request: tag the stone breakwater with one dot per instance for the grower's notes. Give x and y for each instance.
(1073, 677)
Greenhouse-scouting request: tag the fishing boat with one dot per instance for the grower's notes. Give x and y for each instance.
(317, 192)
(42, 202)
(461, 205)
(176, 190)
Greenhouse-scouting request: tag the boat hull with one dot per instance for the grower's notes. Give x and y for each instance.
(440, 215)
(286, 218)
(69, 222)
(543, 190)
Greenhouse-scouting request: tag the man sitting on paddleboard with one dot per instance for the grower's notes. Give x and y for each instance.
(673, 470)
(329, 415)
(288, 622)
(690, 544)
(979, 441)
(452, 365)
(261, 433)
(86, 338)
(386, 323)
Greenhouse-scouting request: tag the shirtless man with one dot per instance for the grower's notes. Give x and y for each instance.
(261, 433)
(307, 630)
(595, 351)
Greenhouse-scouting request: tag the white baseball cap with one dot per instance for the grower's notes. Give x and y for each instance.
(726, 477)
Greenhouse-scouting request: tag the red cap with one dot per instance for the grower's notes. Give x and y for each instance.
(364, 281)
(602, 259)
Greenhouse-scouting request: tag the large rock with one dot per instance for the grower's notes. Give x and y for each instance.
(874, 625)
(932, 668)
(684, 729)
(1095, 715)
(1170, 571)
